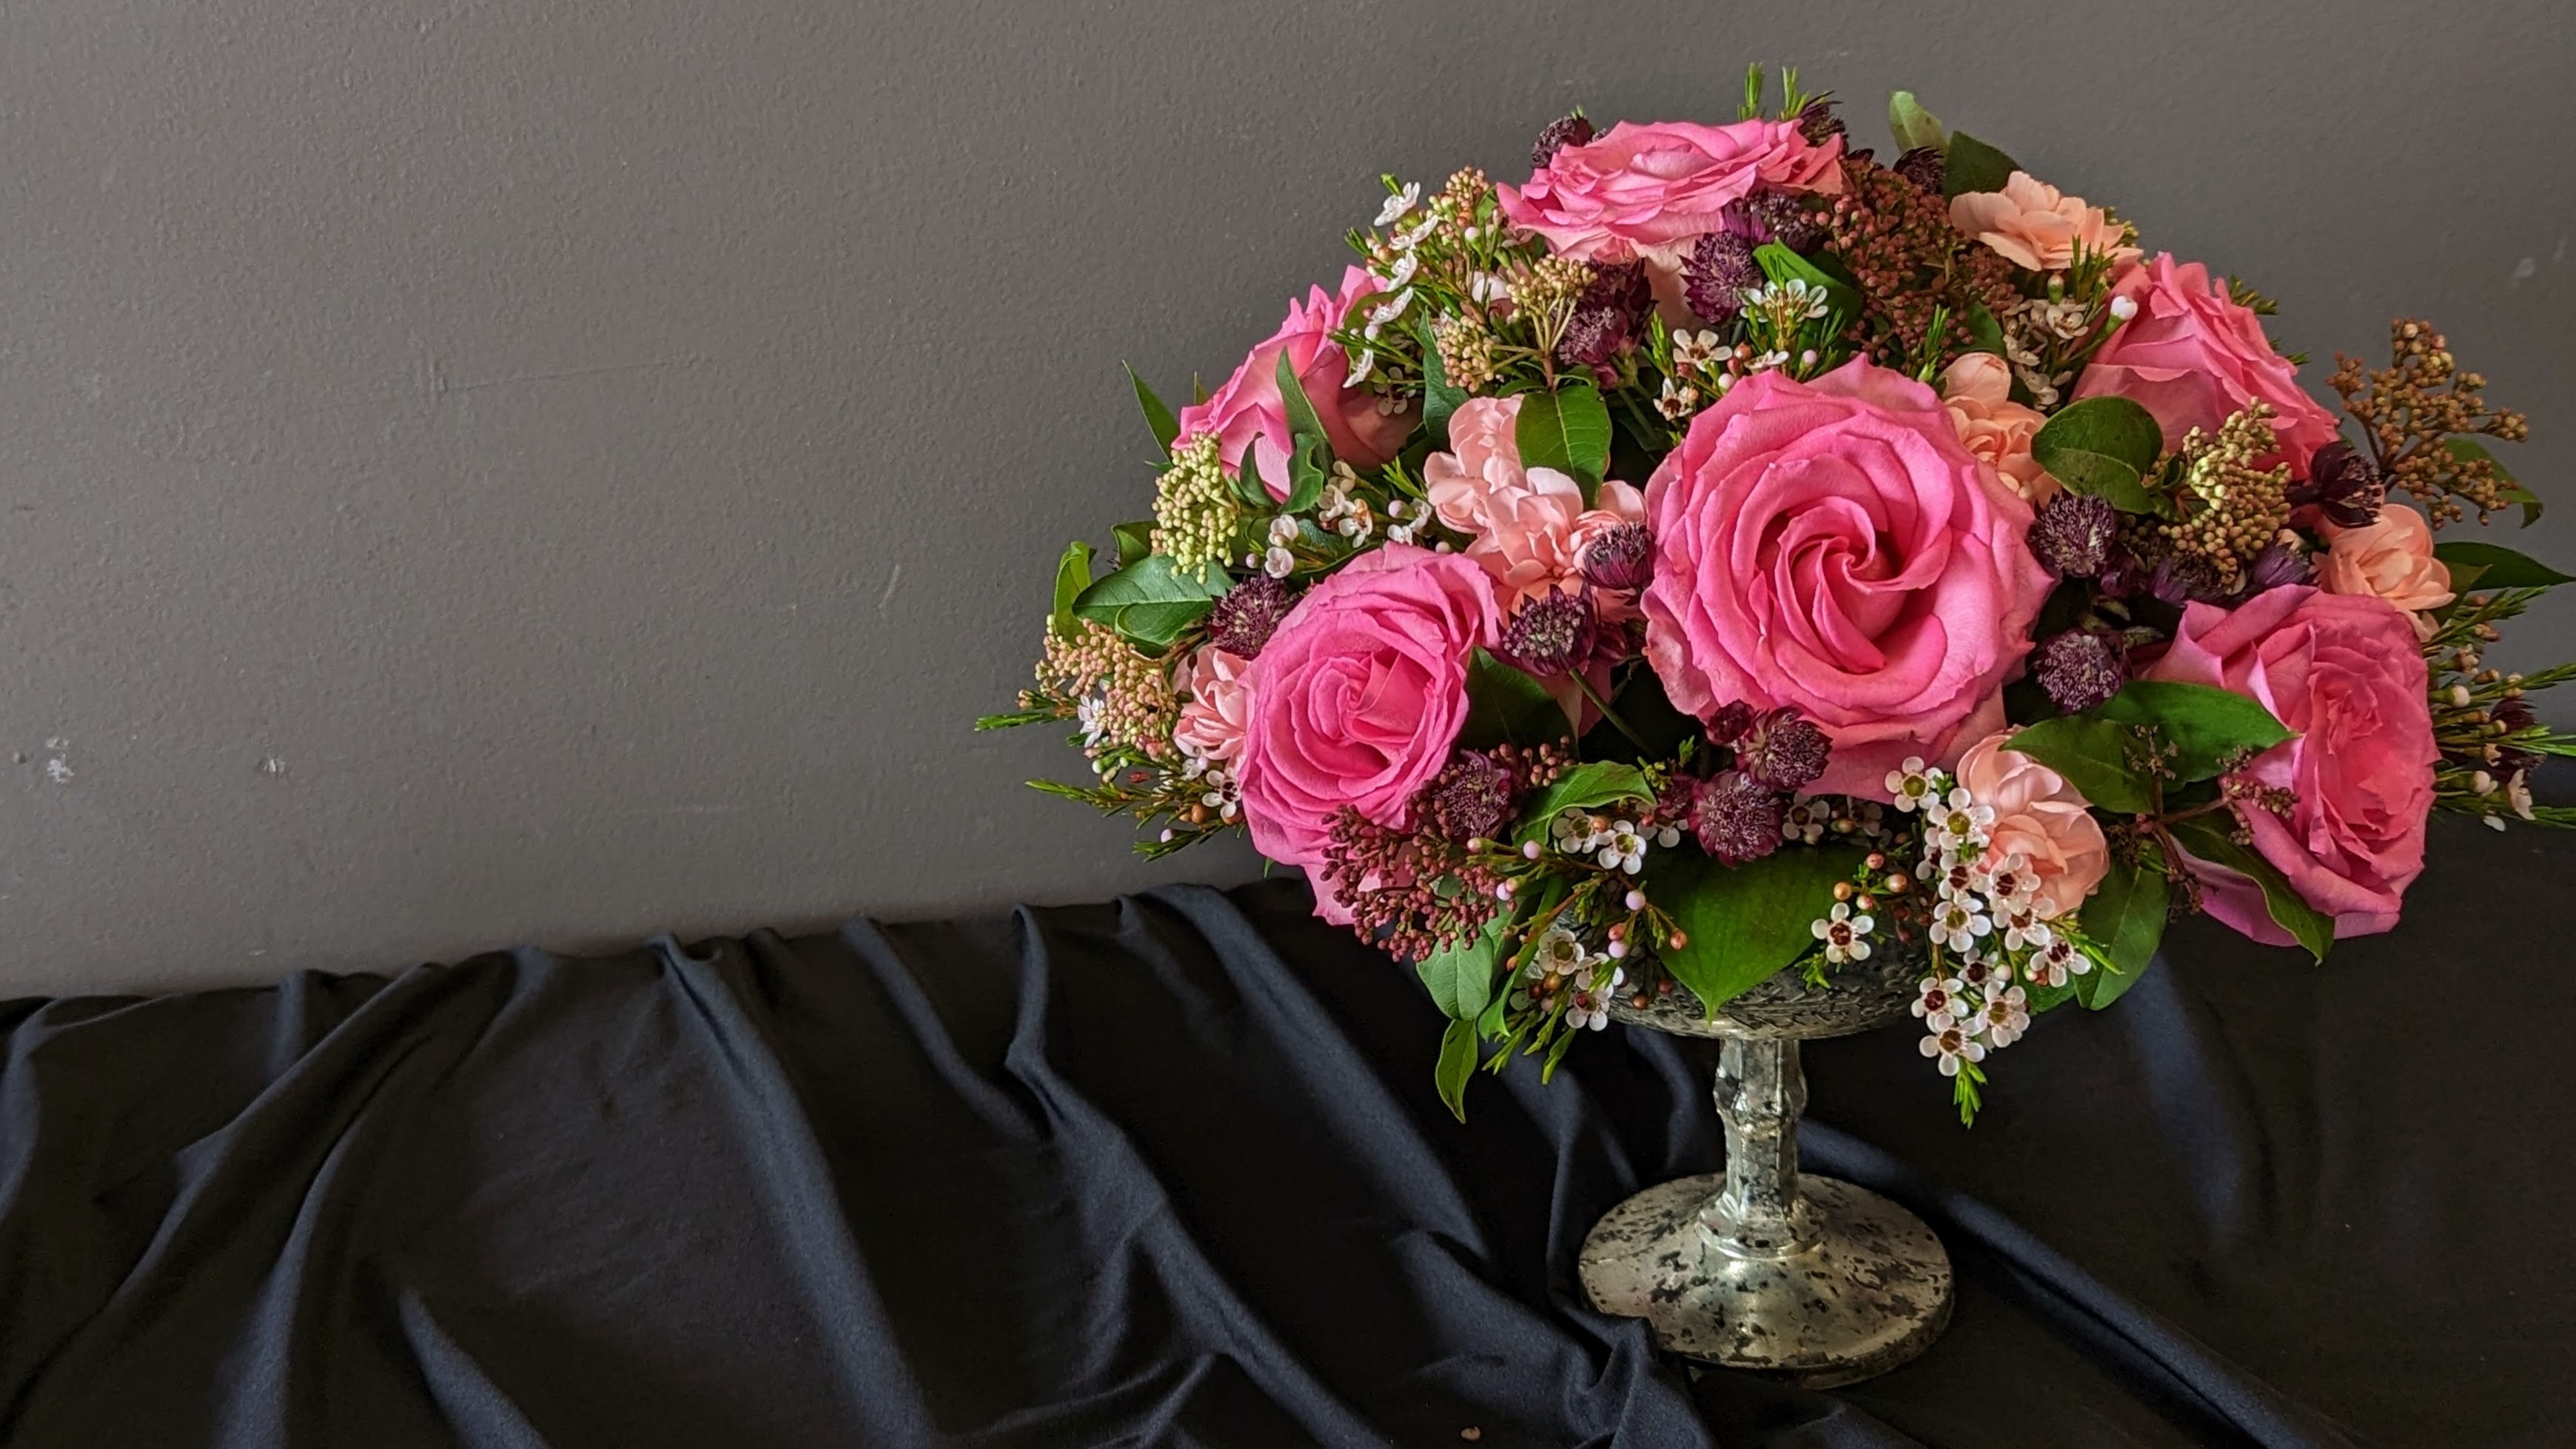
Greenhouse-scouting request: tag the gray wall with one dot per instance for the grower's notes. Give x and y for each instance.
(479, 472)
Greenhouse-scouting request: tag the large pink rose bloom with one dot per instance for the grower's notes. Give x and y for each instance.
(1831, 546)
(1358, 697)
(2192, 356)
(1248, 410)
(2344, 671)
(1527, 526)
(1651, 190)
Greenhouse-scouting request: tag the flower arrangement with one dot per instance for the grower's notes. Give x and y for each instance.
(1724, 553)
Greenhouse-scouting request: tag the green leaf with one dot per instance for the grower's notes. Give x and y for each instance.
(2206, 725)
(2209, 840)
(1302, 420)
(2125, 917)
(1306, 475)
(1972, 165)
(1585, 787)
(1247, 479)
(1149, 602)
(1985, 334)
(2049, 998)
(2093, 756)
(1568, 430)
(1914, 127)
(2492, 566)
(1439, 399)
(1461, 978)
(1072, 576)
(1457, 1064)
(2470, 450)
(1135, 540)
(1741, 923)
(1781, 264)
(1505, 706)
(2105, 446)
(1157, 417)
(2101, 986)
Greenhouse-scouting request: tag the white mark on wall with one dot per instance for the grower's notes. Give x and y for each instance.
(272, 766)
(58, 770)
(2525, 270)
(892, 581)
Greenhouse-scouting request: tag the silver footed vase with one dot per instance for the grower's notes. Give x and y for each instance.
(1799, 1278)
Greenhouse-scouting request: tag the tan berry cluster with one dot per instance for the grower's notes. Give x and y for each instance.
(1195, 512)
(2413, 406)
(2232, 509)
(1125, 699)
(1897, 240)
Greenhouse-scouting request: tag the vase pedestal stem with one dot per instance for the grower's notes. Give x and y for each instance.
(1763, 1268)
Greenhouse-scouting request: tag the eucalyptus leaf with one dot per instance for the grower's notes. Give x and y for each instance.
(1568, 430)
(1157, 416)
(1741, 923)
(2207, 727)
(1072, 576)
(2204, 837)
(1913, 127)
(1505, 706)
(2092, 754)
(1457, 1065)
(1971, 165)
(2492, 566)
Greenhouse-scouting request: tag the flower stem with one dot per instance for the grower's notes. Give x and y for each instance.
(1607, 712)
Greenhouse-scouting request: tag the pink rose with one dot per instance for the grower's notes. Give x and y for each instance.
(2192, 357)
(1248, 410)
(2039, 817)
(1211, 725)
(2390, 559)
(1528, 526)
(2032, 224)
(1977, 391)
(1651, 190)
(1830, 546)
(1358, 697)
(2344, 672)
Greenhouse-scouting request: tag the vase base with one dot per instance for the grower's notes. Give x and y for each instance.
(1873, 1292)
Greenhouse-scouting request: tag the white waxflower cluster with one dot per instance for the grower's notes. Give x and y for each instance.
(1562, 964)
(1607, 840)
(1989, 925)
(1219, 789)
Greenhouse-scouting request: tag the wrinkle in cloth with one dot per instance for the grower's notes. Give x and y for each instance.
(1170, 1171)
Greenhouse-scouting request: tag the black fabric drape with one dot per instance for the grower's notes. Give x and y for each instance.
(1170, 1171)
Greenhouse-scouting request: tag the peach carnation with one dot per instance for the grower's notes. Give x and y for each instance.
(2032, 224)
(1977, 391)
(2039, 817)
(2390, 559)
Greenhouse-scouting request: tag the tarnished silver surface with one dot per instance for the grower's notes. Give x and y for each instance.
(1764, 1268)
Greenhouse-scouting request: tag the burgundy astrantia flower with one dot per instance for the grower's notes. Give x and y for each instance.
(1562, 132)
(1783, 751)
(2080, 669)
(1550, 635)
(1471, 799)
(1249, 613)
(2074, 534)
(1735, 818)
(2343, 484)
(1717, 273)
(1620, 558)
(1609, 317)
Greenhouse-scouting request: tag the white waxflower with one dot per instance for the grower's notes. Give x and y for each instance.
(1588, 1011)
(1407, 241)
(1937, 1002)
(1279, 563)
(2002, 1019)
(1560, 953)
(2124, 307)
(1575, 832)
(1401, 275)
(2026, 928)
(1805, 821)
(1399, 533)
(1677, 400)
(1399, 205)
(1393, 307)
(1484, 288)
(1092, 715)
(1623, 848)
(1959, 822)
(2518, 791)
(1361, 369)
(1913, 785)
(1957, 925)
(1951, 1045)
(1845, 935)
(1283, 529)
(1668, 837)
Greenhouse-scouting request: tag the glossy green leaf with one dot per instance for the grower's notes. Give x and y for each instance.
(1985, 334)
(1913, 127)
(2469, 450)
(1741, 923)
(1149, 602)
(1780, 264)
(2206, 726)
(1505, 706)
(1306, 475)
(1072, 576)
(2101, 986)
(2092, 754)
(1971, 165)
(1457, 1065)
(1585, 787)
(1157, 417)
(1135, 540)
(2496, 567)
(2104, 446)
(1248, 486)
(1461, 978)
(2207, 838)
(2125, 916)
(1302, 421)
(1568, 430)
(1439, 398)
